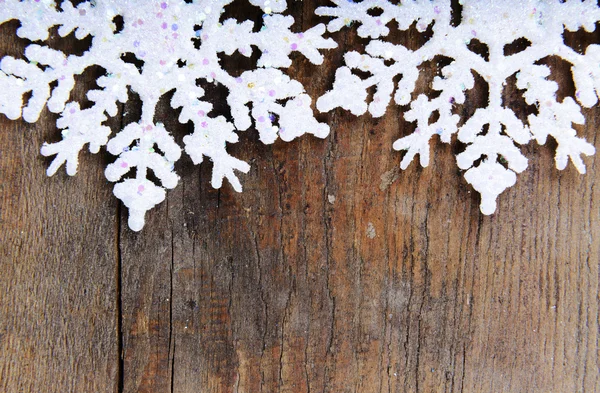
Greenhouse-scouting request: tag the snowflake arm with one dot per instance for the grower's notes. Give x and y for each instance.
(80, 127)
(140, 194)
(452, 87)
(553, 118)
(404, 14)
(209, 139)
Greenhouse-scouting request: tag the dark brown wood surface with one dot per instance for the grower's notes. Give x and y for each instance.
(332, 272)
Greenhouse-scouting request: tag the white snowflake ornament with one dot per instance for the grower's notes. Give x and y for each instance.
(160, 34)
(493, 133)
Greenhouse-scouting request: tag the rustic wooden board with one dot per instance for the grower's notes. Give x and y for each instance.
(332, 272)
(58, 287)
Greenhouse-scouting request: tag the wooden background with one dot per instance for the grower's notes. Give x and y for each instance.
(331, 272)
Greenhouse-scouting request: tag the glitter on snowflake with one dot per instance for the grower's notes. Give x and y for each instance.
(493, 133)
(161, 34)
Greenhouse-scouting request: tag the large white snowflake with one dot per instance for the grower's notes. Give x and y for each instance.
(494, 132)
(162, 34)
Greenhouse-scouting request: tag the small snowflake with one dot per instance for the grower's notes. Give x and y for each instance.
(162, 35)
(493, 133)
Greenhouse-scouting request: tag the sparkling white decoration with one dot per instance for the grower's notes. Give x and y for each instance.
(162, 35)
(493, 133)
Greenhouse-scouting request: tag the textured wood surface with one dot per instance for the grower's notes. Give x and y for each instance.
(332, 271)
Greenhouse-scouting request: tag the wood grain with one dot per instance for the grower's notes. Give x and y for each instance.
(58, 248)
(332, 271)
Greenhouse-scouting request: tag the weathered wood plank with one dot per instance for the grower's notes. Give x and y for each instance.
(332, 272)
(57, 257)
